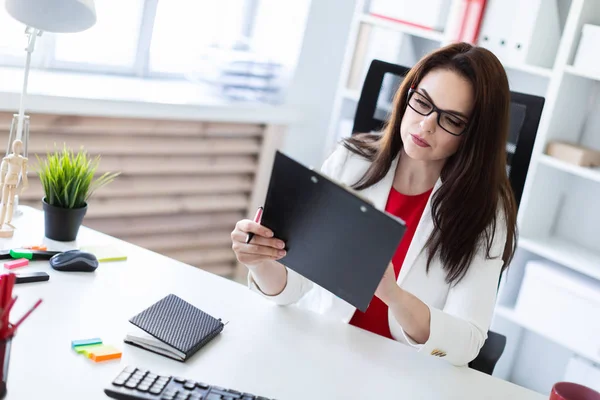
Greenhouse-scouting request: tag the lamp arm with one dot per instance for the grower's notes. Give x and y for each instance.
(32, 33)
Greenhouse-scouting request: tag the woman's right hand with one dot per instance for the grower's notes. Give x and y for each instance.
(262, 248)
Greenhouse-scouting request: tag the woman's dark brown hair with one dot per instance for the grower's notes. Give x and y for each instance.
(474, 179)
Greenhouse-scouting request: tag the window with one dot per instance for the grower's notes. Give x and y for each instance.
(184, 29)
(12, 37)
(164, 38)
(112, 42)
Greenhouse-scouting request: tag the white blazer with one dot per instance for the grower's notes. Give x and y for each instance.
(460, 314)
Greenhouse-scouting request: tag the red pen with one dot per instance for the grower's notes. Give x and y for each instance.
(257, 219)
(13, 327)
(6, 311)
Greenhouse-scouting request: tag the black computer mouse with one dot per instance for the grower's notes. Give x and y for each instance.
(74, 260)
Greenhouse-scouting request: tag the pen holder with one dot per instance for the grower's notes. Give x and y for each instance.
(4, 361)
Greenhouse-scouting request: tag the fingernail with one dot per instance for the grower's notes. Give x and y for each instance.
(281, 245)
(282, 253)
(268, 233)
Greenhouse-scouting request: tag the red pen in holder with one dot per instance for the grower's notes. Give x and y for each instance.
(8, 329)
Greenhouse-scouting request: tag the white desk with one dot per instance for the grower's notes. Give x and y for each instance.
(283, 353)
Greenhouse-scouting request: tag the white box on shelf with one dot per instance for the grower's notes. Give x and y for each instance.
(583, 372)
(587, 57)
(562, 305)
(431, 14)
(532, 36)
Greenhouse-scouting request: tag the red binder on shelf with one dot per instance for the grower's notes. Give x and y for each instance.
(471, 16)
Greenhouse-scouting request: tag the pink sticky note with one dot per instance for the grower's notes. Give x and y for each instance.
(20, 262)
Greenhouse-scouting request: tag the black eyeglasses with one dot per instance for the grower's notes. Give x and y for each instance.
(451, 123)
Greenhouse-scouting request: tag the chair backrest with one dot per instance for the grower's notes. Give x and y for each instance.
(525, 114)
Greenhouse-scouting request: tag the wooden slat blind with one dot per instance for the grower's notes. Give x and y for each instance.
(183, 184)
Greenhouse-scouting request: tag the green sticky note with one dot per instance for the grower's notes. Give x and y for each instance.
(105, 253)
(87, 348)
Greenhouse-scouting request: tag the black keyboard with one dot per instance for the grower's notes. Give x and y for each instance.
(136, 383)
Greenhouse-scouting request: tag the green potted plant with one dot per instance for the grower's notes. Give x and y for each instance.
(68, 180)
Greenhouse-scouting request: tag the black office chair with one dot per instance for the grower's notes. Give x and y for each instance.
(525, 114)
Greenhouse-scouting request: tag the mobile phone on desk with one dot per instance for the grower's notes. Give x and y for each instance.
(32, 277)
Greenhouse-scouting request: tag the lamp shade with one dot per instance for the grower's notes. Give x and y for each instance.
(54, 15)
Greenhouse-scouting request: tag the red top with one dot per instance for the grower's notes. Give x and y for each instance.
(409, 209)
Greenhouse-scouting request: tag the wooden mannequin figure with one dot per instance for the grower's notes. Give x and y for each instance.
(13, 170)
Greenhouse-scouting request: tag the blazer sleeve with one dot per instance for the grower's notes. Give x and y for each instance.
(459, 330)
(297, 285)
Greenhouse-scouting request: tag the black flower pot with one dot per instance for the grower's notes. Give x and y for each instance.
(62, 224)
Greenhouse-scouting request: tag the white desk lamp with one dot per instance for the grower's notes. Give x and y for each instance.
(60, 16)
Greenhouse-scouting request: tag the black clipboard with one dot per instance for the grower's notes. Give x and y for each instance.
(333, 237)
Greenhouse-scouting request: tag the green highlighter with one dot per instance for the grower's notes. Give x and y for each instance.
(33, 255)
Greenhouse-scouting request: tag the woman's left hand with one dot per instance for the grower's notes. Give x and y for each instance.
(388, 287)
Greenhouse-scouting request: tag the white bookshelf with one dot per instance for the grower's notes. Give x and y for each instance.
(593, 174)
(512, 315)
(530, 69)
(559, 213)
(571, 70)
(409, 30)
(570, 255)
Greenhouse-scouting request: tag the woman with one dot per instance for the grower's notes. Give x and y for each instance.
(440, 165)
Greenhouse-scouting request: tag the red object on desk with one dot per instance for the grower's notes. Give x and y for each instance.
(20, 262)
(7, 329)
(572, 391)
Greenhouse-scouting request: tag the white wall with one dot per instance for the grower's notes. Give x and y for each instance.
(313, 88)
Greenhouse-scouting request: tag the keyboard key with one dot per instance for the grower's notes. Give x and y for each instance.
(138, 374)
(233, 394)
(190, 385)
(214, 396)
(143, 388)
(169, 395)
(147, 381)
(156, 389)
(129, 369)
(202, 385)
(121, 379)
(179, 380)
(132, 383)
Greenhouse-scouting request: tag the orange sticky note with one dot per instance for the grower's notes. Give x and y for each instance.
(103, 353)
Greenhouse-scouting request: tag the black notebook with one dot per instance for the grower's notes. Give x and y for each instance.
(174, 328)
